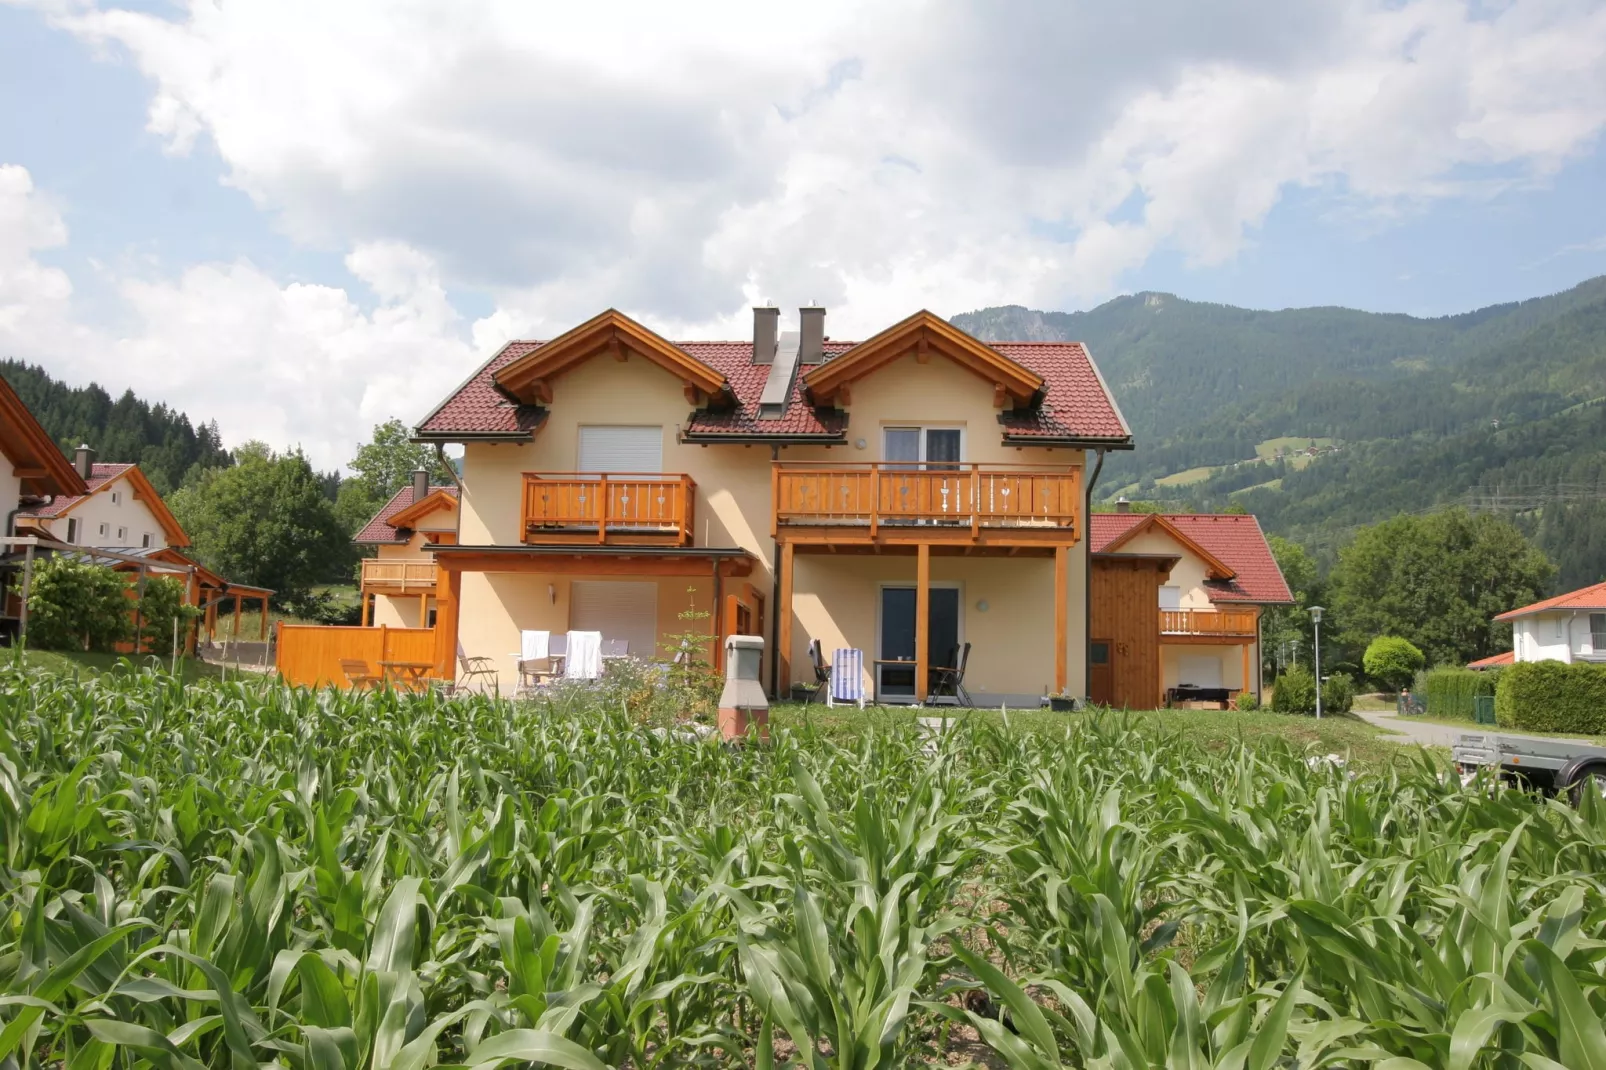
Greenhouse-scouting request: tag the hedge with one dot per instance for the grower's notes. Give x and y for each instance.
(1338, 693)
(1294, 692)
(1450, 692)
(1549, 696)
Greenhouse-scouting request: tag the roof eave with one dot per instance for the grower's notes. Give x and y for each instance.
(779, 438)
(1080, 442)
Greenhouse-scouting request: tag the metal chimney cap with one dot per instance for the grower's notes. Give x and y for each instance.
(1122, 505)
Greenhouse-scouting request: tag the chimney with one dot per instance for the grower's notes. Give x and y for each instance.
(420, 485)
(766, 321)
(811, 323)
(83, 459)
(1122, 505)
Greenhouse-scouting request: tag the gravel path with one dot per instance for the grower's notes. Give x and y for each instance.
(1439, 735)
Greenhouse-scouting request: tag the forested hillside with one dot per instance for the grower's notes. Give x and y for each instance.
(162, 441)
(1500, 409)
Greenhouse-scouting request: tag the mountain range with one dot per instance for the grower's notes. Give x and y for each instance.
(1320, 420)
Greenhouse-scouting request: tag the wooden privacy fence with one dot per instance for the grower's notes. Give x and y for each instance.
(309, 655)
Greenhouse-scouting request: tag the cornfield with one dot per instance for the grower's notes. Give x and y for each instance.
(246, 875)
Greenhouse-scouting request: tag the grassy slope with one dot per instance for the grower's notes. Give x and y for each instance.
(75, 664)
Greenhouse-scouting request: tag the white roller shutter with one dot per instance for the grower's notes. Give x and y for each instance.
(621, 449)
(626, 611)
(1199, 671)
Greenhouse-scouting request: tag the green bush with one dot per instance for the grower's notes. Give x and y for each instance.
(1450, 692)
(1392, 660)
(74, 605)
(1338, 693)
(1246, 701)
(1549, 696)
(1294, 692)
(163, 602)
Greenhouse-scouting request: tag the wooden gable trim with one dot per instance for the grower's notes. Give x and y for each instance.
(432, 502)
(32, 452)
(530, 377)
(924, 334)
(1215, 568)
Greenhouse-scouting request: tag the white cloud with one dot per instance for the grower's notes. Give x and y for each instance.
(682, 161)
(291, 364)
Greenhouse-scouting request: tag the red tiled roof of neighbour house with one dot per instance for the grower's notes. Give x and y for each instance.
(99, 476)
(1076, 403)
(1234, 540)
(1493, 661)
(378, 530)
(1591, 597)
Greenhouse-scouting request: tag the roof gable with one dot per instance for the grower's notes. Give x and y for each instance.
(1592, 597)
(529, 377)
(34, 457)
(105, 476)
(438, 499)
(1215, 568)
(1233, 539)
(924, 334)
(382, 527)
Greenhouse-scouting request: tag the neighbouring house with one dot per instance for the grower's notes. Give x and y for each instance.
(1569, 627)
(34, 470)
(1207, 578)
(119, 519)
(398, 582)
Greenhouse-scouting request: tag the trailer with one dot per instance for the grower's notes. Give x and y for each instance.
(1548, 765)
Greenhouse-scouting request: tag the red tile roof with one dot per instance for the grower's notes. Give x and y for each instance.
(1235, 540)
(99, 476)
(1493, 661)
(1592, 597)
(1076, 405)
(378, 530)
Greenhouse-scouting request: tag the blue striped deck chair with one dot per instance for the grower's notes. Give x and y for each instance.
(847, 677)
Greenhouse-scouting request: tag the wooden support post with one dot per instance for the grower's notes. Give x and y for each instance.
(448, 596)
(367, 615)
(211, 623)
(423, 611)
(238, 606)
(783, 652)
(264, 600)
(1245, 686)
(922, 619)
(193, 631)
(1062, 616)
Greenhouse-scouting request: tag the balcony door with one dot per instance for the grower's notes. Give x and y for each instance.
(895, 646)
(928, 447)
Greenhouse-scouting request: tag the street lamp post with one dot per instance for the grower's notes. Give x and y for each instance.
(1316, 636)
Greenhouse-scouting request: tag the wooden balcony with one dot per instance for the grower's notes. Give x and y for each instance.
(392, 577)
(621, 508)
(910, 503)
(1207, 625)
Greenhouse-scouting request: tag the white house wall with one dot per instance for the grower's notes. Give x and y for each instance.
(99, 509)
(1554, 637)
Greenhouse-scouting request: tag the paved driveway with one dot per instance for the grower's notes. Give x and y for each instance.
(1440, 735)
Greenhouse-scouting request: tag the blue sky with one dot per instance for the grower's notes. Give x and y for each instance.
(241, 207)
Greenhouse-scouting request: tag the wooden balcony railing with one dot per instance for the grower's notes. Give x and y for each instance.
(400, 577)
(1205, 622)
(977, 496)
(618, 507)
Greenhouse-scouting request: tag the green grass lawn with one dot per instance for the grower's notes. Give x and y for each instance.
(68, 663)
(1267, 450)
(1186, 478)
(1342, 735)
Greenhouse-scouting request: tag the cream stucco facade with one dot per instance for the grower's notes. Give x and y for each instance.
(1007, 602)
(110, 516)
(404, 610)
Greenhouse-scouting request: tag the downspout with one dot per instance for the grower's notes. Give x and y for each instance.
(1087, 581)
(1570, 622)
(775, 596)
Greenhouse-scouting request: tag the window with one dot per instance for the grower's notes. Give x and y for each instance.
(104, 528)
(117, 497)
(1597, 632)
(1170, 597)
(621, 449)
(146, 540)
(72, 529)
(122, 536)
(1557, 623)
(935, 447)
(1098, 652)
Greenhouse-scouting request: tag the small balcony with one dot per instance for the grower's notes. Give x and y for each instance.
(949, 502)
(1225, 624)
(617, 508)
(380, 576)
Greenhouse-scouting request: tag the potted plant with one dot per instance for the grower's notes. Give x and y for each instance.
(1063, 702)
